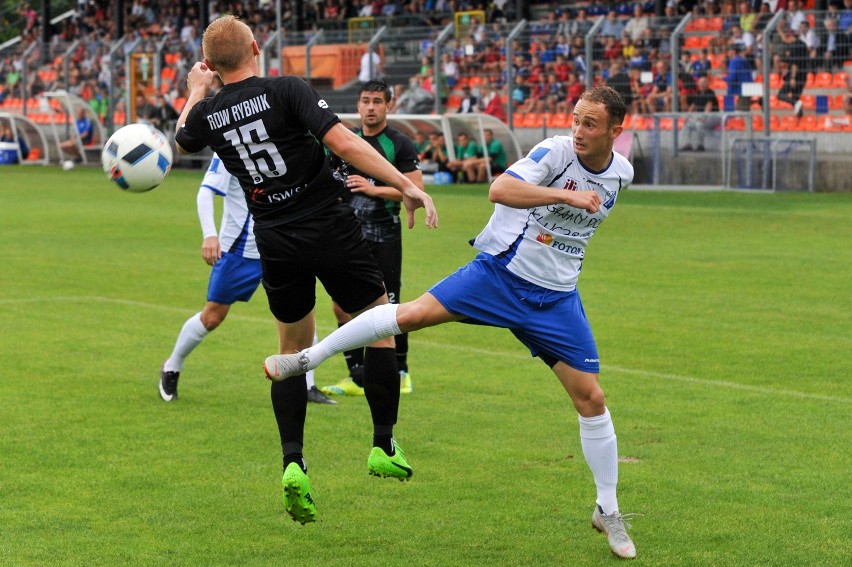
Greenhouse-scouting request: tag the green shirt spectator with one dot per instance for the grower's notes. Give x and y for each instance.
(495, 150)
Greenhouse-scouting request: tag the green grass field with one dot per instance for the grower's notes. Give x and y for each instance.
(723, 322)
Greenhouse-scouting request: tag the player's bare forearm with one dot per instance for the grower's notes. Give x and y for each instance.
(199, 81)
(518, 194)
(361, 185)
(361, 154)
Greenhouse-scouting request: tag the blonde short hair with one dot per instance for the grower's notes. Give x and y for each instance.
(227, 43)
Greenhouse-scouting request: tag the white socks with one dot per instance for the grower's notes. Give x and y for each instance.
(365, 329)
(597, 436)
(191, 335)
(309, 375)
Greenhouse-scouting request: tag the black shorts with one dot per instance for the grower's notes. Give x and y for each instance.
(389, 258)
(327, 246)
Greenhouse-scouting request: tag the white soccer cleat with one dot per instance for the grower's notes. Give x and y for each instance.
(282, 366)
(615, 529)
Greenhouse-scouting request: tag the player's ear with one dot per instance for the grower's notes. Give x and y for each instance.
(616, 131)
(209, 65)
(255, 49)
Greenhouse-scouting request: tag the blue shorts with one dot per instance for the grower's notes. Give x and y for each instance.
(548, 322)
(233, 279)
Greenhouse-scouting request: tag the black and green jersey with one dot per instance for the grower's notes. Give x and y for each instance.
(380, 217)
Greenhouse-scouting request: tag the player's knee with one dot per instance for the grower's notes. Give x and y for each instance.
(411, 316)
(213, 315)
(212, 320)
(589, 402)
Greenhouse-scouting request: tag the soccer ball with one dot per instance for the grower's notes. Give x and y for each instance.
(137, 157)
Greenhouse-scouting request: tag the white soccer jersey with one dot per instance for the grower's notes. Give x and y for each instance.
(545, 245)
(236, 233)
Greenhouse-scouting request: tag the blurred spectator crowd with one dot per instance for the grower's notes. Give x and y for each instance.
(549, 65)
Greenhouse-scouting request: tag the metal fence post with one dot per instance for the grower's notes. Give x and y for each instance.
(436, 72)
(313, 41)
(510, 73)
(590, 53)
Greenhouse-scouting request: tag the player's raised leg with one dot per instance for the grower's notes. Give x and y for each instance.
(372, 325)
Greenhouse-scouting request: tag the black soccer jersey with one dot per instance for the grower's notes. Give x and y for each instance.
(379, 217)
(266, 131)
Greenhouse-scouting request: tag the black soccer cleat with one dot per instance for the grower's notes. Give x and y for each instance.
(317, 397)
(168, 385)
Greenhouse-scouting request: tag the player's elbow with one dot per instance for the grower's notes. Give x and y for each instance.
(181, 149)
(500, 188)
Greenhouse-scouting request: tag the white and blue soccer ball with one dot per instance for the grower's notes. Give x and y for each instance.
(137, 157)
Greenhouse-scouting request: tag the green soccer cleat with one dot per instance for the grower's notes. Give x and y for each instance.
(380, 464)
(346, 387)
(405, 384)
(297, 495)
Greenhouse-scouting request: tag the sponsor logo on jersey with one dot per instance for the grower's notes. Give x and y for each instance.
(258, 195)
(544, 238)
(571, 185)
(322, 103)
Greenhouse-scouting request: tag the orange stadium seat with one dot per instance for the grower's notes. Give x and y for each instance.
(823, 80)
(559, 120)
(717, 83)
(627, 123)
(735, 124)
(533, 120)
(692, 42)
(168, 73)
(640, 122)
(789, 123)
(716, 60)
(715, 23)
(809, 123)
(774, 122)
(840, 80)
(775, 81)
(776, 104)
(808, 101)
(836, 102)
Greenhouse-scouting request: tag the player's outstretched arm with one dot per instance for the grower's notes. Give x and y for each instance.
(199, 81)
(350, 147)
(516, 193)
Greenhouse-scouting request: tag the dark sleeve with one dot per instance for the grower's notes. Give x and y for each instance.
(407, 158)
(306, 105)
(189, 137)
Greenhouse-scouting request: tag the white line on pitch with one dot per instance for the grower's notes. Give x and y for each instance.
(475, 350)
